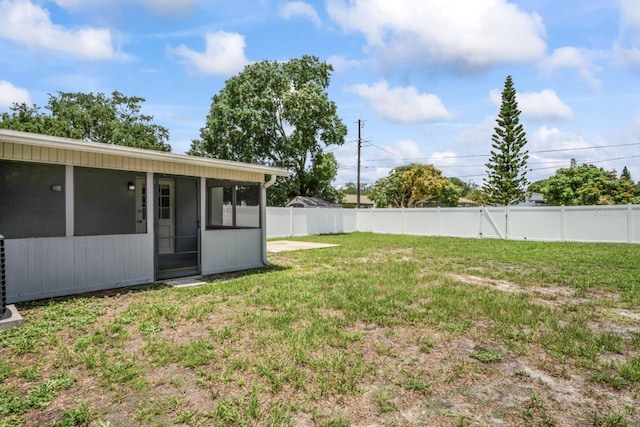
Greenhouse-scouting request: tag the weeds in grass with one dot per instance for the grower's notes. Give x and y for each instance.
(30, 374)
(383, 400)
(619, 375)
(486, 356)
(425, 344)
(148, 327)
(274, 345)
(76, 416)
(416, 383)
(12, 403)
(609, 420)
(12, 421)
(115, 373)
(340, 421)
(5, 370)
(154, 408)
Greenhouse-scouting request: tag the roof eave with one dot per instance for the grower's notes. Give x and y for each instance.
(27, 138)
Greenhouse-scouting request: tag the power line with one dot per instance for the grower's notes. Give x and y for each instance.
(556, 150)
(380, 148)
(451, 166)
(585, 148)
(530, 170)
(342, 146)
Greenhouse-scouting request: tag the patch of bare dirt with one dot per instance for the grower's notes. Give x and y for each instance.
(548, 295)
(425, 376)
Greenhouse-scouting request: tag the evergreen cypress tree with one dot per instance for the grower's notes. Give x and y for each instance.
(626, 174)
(507, 167)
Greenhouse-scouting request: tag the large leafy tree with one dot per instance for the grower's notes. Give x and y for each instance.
(278, 114)
(413, 186)
(390, 190)
(469, 190)
(506, 169)
(115, 119)
(587, 185)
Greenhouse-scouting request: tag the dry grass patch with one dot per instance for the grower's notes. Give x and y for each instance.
(382, 330)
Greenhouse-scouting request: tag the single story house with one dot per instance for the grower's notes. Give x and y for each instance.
(462, 203)
(82, 216)
(534, 199)
(310, 202)
(351, 201)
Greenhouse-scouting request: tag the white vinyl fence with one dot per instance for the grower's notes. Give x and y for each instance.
(619, 223)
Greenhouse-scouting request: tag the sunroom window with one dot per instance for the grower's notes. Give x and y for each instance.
(232, 204)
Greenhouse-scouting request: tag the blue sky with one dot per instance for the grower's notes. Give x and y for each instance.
(424, 75)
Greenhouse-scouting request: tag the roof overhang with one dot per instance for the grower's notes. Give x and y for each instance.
(33, 139)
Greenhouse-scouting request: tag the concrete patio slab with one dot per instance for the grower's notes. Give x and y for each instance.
(290, 245)
(14, 319)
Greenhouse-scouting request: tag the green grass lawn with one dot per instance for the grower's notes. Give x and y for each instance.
(385, 330)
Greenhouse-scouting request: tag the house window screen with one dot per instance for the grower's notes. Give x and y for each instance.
(104, 204)
(232, 205)
(32, 200)
(248, 206)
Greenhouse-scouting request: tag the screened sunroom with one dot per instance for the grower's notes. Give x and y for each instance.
(81, 216)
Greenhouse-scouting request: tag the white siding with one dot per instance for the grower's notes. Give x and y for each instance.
(231, 250)
(56, 266)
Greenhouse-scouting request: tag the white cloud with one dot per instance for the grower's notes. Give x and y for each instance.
(572, 58)
(627, 56)
(158, 7)
(404, 149)
(301, 9)
(402, 104)
(626, 48)
(10, 94)
(340, 63)
(443, 158)
(543, 105)
(629, 13)
(552, 138)
(559, 147)
(30, 25)
(372, 170)
(462, 34)
(223, 54)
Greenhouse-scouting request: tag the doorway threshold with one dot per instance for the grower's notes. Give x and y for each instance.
(185, 281)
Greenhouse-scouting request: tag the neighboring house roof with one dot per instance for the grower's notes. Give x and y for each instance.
(534, 199)
(311, 202)
(463, 201)
(79, 148)
(353, 199)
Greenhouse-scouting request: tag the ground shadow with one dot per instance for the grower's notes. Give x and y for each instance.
(147, 287)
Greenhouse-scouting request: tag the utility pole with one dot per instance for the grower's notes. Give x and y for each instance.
(358, 183)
